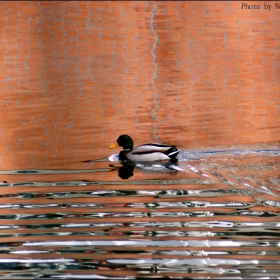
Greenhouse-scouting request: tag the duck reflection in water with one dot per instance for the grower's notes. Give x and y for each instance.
(126, 169)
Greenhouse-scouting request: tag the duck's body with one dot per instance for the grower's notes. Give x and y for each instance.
(145, 152)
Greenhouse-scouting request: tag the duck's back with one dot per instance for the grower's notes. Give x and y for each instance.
(151, 148)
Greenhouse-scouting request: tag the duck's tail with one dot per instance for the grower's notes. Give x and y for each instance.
(172, 153)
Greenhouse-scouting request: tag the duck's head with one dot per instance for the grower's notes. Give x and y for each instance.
(124, 141)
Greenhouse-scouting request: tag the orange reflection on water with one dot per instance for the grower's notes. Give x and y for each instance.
(77, 74)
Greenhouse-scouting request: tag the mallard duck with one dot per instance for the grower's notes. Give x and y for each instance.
(145, 152)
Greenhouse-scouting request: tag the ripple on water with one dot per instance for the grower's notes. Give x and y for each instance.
(211, 217)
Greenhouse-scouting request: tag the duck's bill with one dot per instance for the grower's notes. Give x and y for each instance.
(114, 146)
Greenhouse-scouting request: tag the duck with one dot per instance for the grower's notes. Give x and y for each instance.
(145, 152)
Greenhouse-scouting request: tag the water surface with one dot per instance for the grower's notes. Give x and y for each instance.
(203, 76)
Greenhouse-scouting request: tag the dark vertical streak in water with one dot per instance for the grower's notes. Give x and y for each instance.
(154, 114)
